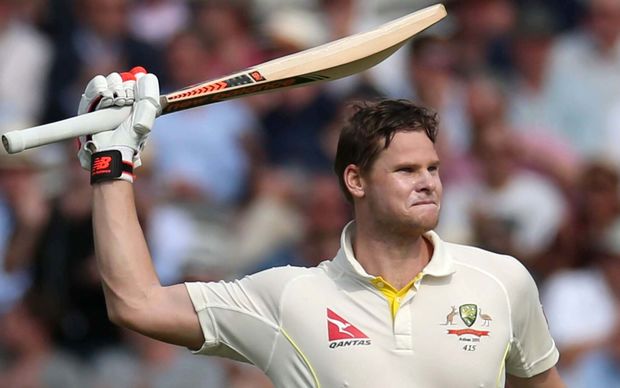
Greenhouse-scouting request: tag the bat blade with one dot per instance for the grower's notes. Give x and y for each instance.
(330, 61)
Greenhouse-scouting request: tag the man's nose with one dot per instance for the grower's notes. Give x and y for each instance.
(425, 181)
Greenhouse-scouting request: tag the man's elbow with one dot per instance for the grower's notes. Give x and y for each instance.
(124, 317)
(140, 314)
(117, 318)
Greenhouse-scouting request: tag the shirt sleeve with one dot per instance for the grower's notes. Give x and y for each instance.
(532, 350)
(240, 319)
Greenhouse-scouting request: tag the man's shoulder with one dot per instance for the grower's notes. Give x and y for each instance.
(504, 271)
(494, 264)
(287, 272)
(473, 254)
(279, 278)
(267, 286)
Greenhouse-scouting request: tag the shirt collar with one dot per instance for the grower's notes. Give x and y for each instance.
(441, 263)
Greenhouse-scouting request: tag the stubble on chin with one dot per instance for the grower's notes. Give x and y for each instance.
(408, 225)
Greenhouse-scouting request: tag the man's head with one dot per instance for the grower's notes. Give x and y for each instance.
(386, 162)
(371, 129)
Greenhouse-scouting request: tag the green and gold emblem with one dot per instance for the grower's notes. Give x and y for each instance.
(468, 313)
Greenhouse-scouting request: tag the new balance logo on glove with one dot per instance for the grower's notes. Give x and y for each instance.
(106, 165)
(101, 165)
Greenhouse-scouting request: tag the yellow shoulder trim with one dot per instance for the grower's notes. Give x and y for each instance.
(502, 366)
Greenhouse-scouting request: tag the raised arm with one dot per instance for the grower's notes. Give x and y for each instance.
(134, 296)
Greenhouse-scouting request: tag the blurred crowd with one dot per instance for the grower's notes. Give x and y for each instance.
(528, 94)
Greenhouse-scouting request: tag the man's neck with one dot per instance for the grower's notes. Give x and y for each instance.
(396, 258)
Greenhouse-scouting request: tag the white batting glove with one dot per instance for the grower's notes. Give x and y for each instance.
(114, 154)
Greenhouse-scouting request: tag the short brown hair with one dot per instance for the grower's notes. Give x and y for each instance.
(360, 138)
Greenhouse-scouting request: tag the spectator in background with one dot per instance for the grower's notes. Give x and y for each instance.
(600, 366)
(24, 210)
(193, 159)
(25, 332)
(584, 319)
(507, 209)
(596, 212)
(228, 29)
(341, 18)
(25, 60)
(482, 36)
(575, 76)
(292, 129)
(293, 122)
(52, 246)
(197, 165)
(272, 218)
(148, 363)
(291, 30)
(100, 44)
(566, 13)
(583, 78)
(528, 108)
(611, 136)
(596, 199)
(321, 233)
(533, 38)
(156, 21)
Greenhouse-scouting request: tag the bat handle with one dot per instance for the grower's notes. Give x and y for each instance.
(86, 124)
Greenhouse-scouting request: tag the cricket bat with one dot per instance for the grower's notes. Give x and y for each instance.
(330, 61)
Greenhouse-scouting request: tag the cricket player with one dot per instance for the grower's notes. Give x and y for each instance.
(396, 306)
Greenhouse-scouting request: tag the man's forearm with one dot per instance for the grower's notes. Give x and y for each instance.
(123, 258)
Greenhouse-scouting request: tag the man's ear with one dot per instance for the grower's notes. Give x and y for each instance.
(354, 181)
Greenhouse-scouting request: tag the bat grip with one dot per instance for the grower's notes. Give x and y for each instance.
(86, 124)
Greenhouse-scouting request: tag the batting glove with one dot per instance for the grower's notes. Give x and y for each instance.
(114, 154)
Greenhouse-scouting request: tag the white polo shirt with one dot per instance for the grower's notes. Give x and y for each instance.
(468, 318)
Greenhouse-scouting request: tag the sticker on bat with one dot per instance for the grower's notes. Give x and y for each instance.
(257, 76)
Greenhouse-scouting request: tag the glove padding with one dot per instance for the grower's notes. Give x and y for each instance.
(136, 88)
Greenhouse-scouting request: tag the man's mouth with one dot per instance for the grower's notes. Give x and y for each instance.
(424, 202)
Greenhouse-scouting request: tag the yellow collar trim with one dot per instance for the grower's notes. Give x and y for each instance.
(393, 295)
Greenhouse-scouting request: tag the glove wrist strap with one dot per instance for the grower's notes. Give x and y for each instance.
(109, 165)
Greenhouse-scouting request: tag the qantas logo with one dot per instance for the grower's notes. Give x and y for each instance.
(342, 333)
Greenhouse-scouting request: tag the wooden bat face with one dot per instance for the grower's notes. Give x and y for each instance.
(330, 61)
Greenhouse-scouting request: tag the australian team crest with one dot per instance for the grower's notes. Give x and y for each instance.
(468, 313)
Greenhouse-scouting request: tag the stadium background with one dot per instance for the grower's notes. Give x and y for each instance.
(528, 94)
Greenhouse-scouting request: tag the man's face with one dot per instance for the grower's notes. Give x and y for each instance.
(402, 187)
